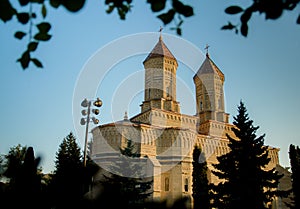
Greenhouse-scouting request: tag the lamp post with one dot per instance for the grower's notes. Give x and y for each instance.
(87, 119)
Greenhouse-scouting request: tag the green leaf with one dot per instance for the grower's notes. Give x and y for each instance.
(19, 34)
(157, 5)
(42, 36)
(44, 11)
(232, 10)
(32, 46)
(6, 11)
(23, 17)
(24, 60)
(44, 27)
(36, 62)
(73, 6)
(167, 17)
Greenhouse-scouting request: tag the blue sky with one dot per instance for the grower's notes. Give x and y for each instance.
(37, 104)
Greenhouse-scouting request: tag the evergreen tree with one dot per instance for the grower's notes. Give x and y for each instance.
(245, 181)
(200, 181)
(294, 155)
(67, 184)
(130, 190)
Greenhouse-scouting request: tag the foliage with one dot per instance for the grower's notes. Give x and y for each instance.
(39, 31)
(125, 181)
(24, 188)
(13, 161)
(272, 9)
(245, 180)
(294, 155)
(176, 11)
(200, 181)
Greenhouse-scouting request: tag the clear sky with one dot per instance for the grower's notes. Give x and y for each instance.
(37, 106)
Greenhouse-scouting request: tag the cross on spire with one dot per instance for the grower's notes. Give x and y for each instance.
(206, 48)
(160, 29)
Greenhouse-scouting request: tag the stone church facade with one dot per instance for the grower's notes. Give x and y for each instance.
(164, 136)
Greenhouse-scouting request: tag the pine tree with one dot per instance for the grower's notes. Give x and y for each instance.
(68, 181)
(130, 190)
(200, 181)
(245, 181)
(294, 155)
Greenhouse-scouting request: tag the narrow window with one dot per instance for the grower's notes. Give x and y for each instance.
(186, 185)
(167, 184)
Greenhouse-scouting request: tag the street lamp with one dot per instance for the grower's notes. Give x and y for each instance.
(87, 119)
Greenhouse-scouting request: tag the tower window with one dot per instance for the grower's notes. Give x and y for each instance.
(201, 105)
(167, 187)
(186, 185)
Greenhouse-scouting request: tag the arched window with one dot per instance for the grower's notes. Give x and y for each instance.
(167, 187)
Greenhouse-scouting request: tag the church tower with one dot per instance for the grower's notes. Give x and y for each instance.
(160, 79)
(209, 83)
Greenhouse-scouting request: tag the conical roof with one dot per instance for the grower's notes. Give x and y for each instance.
(160, 50)
(208, 66)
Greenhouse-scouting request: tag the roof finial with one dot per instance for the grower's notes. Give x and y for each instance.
(206, 48)
(160, 29)
(125, 116)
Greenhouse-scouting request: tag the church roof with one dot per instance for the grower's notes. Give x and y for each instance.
(160, 50)
(208, 66)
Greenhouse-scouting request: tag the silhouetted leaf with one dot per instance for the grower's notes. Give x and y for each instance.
(33, 15)
(55, 3)
(244, 29)
(6, 11)
(73, 6)
(233, 10)
(42, 36)
(110, 9)
(44, 11)
(32, 46)
(23, 17)
(24, 60)
(274, 9)
(185, 10)
(298, 20)
(178, 31)
(23, 2)
(245, 17)
(37, 63)
(167, 17)
(157, 5)
(19, 34)
(37, 1)
(44, 27)
(229, 26)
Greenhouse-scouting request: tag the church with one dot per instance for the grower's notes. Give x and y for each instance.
(163, 136)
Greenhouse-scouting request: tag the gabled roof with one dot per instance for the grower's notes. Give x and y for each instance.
(160, 50)
(208, 66)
